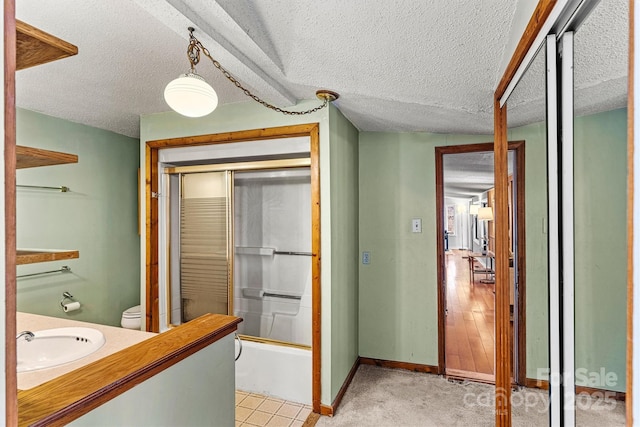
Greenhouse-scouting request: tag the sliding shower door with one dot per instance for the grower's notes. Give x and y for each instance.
(272, 262)
(204, 245)
(240, 243)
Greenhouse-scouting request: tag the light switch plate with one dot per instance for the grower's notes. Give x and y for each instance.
(416, 225)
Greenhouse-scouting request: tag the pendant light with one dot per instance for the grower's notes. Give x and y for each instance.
(190, 95)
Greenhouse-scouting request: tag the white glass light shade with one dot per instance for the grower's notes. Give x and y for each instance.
(485, 214)
(191, 96)
(473, 209)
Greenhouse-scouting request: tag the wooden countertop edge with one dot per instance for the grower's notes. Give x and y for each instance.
(63, 399)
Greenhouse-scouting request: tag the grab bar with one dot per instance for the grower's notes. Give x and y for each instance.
(269, 294)
(62, 188)
(292, 253)
(255, 250)
(63, 269)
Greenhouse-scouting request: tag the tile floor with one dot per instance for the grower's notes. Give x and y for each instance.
(257, 410)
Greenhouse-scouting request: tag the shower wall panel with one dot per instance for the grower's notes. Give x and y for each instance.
(272, 274)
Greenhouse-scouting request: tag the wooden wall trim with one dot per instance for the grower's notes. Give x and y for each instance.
(345, 385)
(595, 392)
(536, 383)
(441, 259)
(311, 130)
(326, 410)
(151, 305)
(503, 360)
(630, 212)
(316, 269)
(537, 20)
(330, 410)
(519, 148)
(236, 136)
(415, 367)
(68, 397)
(502, 301)
(601, 393)
(11, 387)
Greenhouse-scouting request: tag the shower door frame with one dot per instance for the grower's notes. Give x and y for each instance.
(232, 169)
(152, 149)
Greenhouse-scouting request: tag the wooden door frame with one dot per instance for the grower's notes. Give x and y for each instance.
(10, 361)
(519, 149)
(152, 149)
(503, 375)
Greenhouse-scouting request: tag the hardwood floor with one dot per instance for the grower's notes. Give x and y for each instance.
(469, 324)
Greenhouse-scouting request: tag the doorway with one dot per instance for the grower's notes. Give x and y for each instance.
(156, 154)
(466, 261)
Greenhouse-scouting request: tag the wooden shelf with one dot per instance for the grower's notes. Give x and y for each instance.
(32, 256)
(28, 157)
(35, 47)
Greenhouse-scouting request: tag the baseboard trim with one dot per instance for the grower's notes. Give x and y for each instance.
(331, 410)
(535, 383)
(601, 393)
(345, 385)
(580, 389)
(326, 410)
(415, 367)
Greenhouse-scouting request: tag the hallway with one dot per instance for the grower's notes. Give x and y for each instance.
(470, 320)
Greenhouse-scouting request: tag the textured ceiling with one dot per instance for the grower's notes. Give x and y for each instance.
(466, 175)
(601, 48)
(413, 65)
(399, 65)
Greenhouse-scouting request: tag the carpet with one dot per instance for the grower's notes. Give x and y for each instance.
(393, 397)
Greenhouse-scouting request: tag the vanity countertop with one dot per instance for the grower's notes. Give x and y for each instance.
(67, 397)
(116, 340)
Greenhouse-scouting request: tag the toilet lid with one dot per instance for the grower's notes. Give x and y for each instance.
(131, 313)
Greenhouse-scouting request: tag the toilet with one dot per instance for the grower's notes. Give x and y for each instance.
(131, 318)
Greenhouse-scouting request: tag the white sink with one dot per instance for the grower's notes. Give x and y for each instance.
(53, 347)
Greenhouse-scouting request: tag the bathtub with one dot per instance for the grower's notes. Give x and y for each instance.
(274, 370)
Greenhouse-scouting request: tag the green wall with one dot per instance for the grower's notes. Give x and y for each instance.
(250, 115)
(344, 250)
(98, 217)
(600, 244)
(398, 291)
(196, 391)
(396, 295)
(397, 183)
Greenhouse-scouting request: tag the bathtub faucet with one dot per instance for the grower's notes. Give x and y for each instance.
(28, 335)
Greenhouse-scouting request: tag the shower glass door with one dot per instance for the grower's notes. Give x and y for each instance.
(272, 259)
(204, 245)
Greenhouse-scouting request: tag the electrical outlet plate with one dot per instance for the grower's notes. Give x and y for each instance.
(366, 258)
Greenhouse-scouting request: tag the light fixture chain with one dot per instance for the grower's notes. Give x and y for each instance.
(198, 45)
